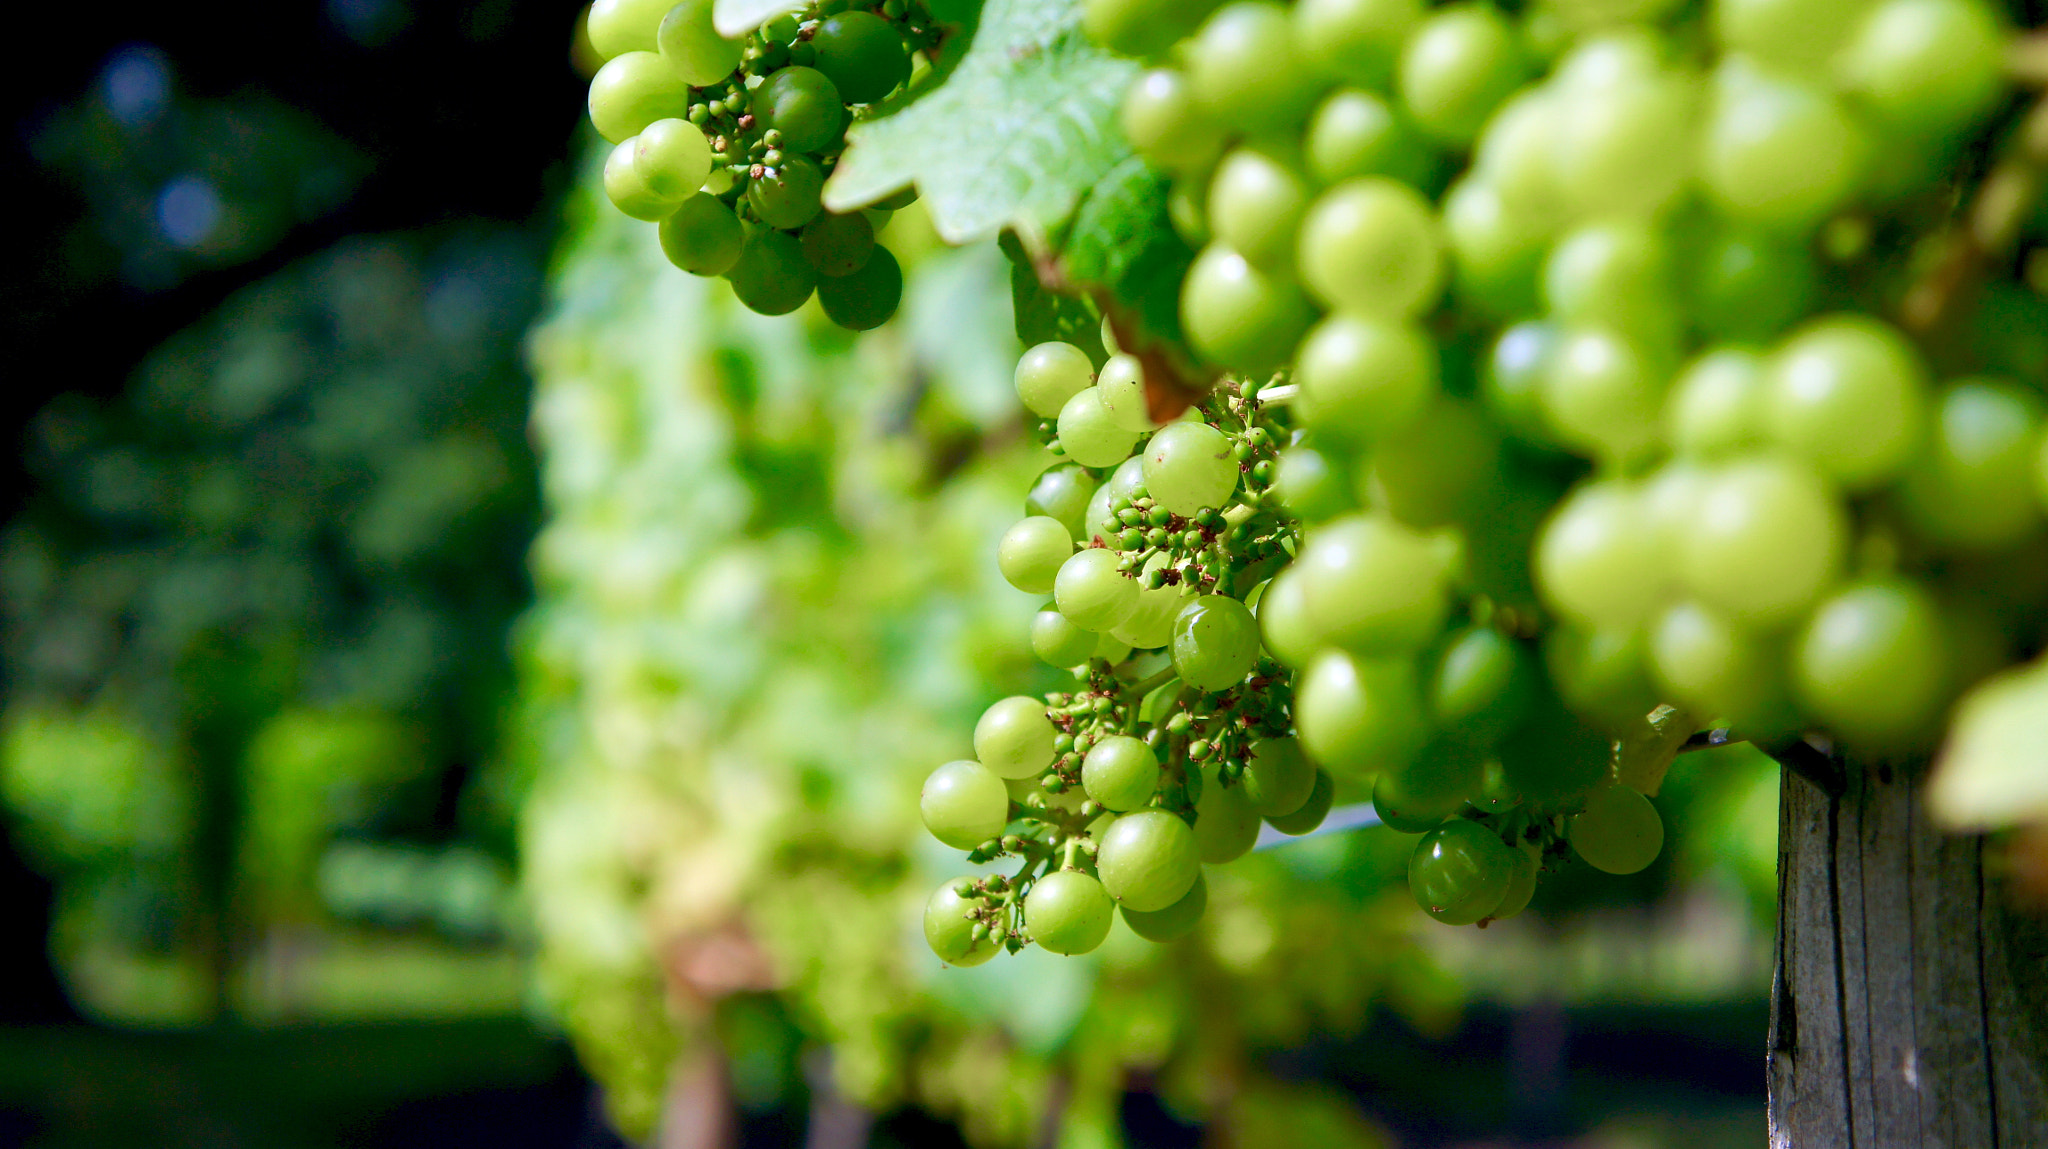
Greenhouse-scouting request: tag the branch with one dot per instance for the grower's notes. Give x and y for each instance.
(2003, 202)
(1810, 762)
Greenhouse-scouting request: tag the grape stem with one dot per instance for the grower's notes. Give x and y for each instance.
(1280, 394)
(1145, 686)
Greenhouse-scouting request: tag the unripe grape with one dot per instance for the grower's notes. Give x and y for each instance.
(1715, 408)
(1062, 492)
(1776, 153)
(1238, 316)
(1602, 393)
(1283, 622)
(1511, 384)
(630, 193)
(786, 196)
(1521, 885)
(964, 804)
(1767, 539)
(1032, 552)
(1495, 248)
(1365, 377)
(1121, 389)
(1714, 667)
(1873, 662)
(838, 244)
(771, 275)
(804, 106)
(693, 47)
(1441, 469)
(1123, 483)
(1089, 432)
(1457, 67)
(1619, 832)
(1971, 486)
(1601, 676)
(1481, 686)
(1611, 273)
(1140, 27)
(1167, 125)
(1356, 716)
(1625, 149)
(866, 298)
(1926, 66)
(1311, 485)
(1050, 374)
(1357, 41)
(1415, 796)
(949, 930)
(1110, 650)
(1188, 466)
(1515, 153)
(1372, 246)
(1120, 772)
(1312, 812)
(1749, 285)
(1215, 642)
(1373, 585)
(703, 236)
(1093, 593)
(633, 90)
(1277, 777)
(1176, 920)
(618, 26)
(1058, 642)
(1255, 206)
(672, 157)
(1226, 826)
(1013, 738)
(1355, 133)
(1148, 859)
(1849, 393)
(1237, 64)
(861, 54)
(1597, 561)
(1795, 36)
(1068, 912)
(1150, 625)
(1459, 872)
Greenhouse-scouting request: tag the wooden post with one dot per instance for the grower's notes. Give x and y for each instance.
(1910, 1004)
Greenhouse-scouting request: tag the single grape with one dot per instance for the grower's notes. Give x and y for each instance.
(1515, 153)
(1612, 273)
(838, 244)
(1120, 772)
(1372, 246)
(1597, 562)
(1068, 912)
(1167, 125)
(1050, 374)
(1777, 153)
(1365, 377)
(1927, 66)
(1141, 27)
(1357, 716)
(1717, 669)
(1176, 920)
(1277, 777)
(1441, 469)
(1189, 466)
(1148, 860)
(1481, 686)
(1355, 133)
(1311, 484)
(1619, 832)
(1089, 432)
(1794, 36)
(1521, 885)
(1110, 650)
(1749, 285)
(618, 26)
(1456, 69)
(1312, 812)
(771, 275)
(865, 299)
(964, 804)
(1150, 625)
(1496, 793)
(786, 196)
(1283, 622)
(693, 47)
(1495, 249)
(1374, 585)
(703, 236)
(1215, 642)
(1238, 316)
(1416, 796)
(1356, 41)
(1062, 492)
(949, 928)
(1873, 662)
(1226, 826)
(672, 157)
(1511, 384)
(1767, 539)
(1013, 738)
(804, 105)
(1603, 393)
(1058, 642)
(1121, 387)
(1093, 593)
(1602, 676)
(1241, 67)
(1460, 872)
(1612, 150)
(633, 90)
(1849, 393)
(1971, 486)
(1255, 206)
(1032, 552)
(627, 191)
(861, 54)
(1715, 407)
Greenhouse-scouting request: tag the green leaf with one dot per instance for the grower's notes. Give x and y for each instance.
(1122, 241)
(1991, 772)
(1043, 316)
(736, 18)
(1016, 136)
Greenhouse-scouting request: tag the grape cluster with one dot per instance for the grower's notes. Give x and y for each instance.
(726, 144)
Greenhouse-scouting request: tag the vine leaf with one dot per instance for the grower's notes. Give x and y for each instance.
(1989, 773)
(736, 18)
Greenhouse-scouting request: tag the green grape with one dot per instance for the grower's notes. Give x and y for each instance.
(949, 928)
(1365, 377)
(1226, 826)
(1089, 432)
(627, 191)
(1618, 833)
(1514, 153)
(1255, 206)
(1141, 27)
(1373, 585)
(1058, 642)
(1972, 484)
(1521, 885)
(703, 236)
(804, 105)
(867, 298)
(1481, 686)
(1612, 273)
(1356, 716)
(1597, 561)
(1715, 407)
(1189, 466)
(771, 275)
(1148, 860)
(1356, 41)
(1776, 153)
(1553, 759)
(1283, 622)
(1150, 625)
(1110, 650)
(1093, 593)
(1512, 381)
(1495, 249)
(1355, 133)
(1277, 777)
(1123, 483)
(1121, 387)
(1050, 374)
(1873, 662)
(964, 804)
(1767, 539)
(1456, 69)
(1603, 393)
(1927, 66)
(1238, 316)
(1371, 246)
(1612, 148)
(1120, 772)
(1717, 669)
(1794, 36)
(633, 90)
(1849, 393)
(672, 157)
(1311, 485)
(1176, 920)
(1166, 124)
(1312, 812)
(786, 196)
(1460, 872)
(618, 26)
(861, 54)
(1032, 552)
(1603, 676)
(1417, 795)
(1749, 285)
(1068, 912)
(1186, 208)
(1610, 59)
(1496, 793)
(693, 47)
(1062, 492)
(1241, 67)
(1215, 642)
(1013, 738)
(838, 244)
(1440, 470)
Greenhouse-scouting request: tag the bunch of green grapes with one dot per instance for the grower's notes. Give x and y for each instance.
(726, 144)
(1594, 414)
